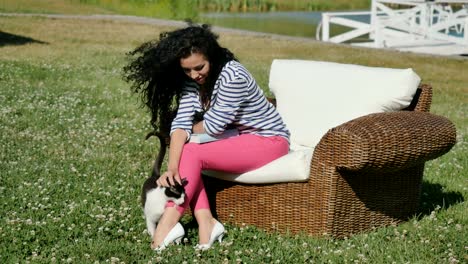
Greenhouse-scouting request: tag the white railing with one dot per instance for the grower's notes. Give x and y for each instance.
(420, 20)
(338, 18)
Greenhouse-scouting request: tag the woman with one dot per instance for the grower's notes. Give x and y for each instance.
(188, 71)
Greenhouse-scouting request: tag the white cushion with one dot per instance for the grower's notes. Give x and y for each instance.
(314, 96)
(293, 167)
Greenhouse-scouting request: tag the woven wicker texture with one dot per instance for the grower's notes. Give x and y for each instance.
(365, 173)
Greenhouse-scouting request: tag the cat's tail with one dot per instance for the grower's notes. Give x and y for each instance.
(150, 182)
(162, 151)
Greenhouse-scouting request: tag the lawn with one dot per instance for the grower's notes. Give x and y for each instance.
(175, 8)
(73, 154)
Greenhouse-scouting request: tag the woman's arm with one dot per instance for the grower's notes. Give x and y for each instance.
(178, 139)
(188, 104)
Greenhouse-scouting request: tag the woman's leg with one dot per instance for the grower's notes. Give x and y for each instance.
(168, 220)
(238, 154)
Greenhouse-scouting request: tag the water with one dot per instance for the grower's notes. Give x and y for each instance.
(302, 24)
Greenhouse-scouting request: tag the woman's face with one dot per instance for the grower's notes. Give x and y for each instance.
(196, 66)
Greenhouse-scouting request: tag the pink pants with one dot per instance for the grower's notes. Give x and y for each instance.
(237, 155)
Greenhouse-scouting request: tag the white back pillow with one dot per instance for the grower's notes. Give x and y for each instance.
(315, 96)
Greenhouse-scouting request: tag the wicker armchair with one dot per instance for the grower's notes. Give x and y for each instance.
(365, 173)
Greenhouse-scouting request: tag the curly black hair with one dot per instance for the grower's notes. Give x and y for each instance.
(155, 73)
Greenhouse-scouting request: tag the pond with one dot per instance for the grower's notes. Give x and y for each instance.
(300, 24)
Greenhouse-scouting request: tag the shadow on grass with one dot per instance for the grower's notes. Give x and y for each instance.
(433, 196)
(12, 39)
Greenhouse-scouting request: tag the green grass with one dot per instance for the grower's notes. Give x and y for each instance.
(50, 6)
(162, 8)
(174, 9)
(73, 154)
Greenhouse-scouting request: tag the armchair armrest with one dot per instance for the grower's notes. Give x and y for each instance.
(392, 141)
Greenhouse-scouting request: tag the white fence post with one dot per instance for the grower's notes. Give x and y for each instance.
(325, 27)
(378, 34)
(373, 19)
(465, 33)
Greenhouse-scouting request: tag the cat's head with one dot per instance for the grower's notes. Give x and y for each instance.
(176, 192)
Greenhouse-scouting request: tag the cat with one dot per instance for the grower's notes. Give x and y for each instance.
(154, 197)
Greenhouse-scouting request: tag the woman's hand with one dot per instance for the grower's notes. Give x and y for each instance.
(169, 178)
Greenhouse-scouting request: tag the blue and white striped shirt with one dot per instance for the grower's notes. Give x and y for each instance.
(236, 100)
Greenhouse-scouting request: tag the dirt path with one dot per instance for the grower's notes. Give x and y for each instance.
(157, 21)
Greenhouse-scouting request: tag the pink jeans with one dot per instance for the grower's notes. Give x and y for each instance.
(237, 155)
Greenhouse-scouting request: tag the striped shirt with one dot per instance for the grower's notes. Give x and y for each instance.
(236, 100)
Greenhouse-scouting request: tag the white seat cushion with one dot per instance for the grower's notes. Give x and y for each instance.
(293, 167)
(314, 96)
